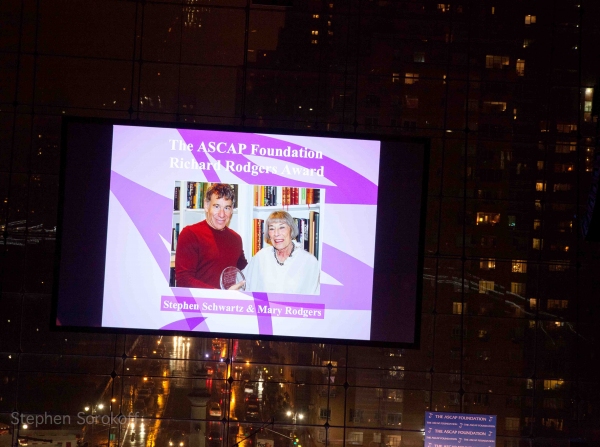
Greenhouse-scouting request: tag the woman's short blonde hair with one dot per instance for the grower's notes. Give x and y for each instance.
(277, 217)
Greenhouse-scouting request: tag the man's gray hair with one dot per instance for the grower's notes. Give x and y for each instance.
(277, 217)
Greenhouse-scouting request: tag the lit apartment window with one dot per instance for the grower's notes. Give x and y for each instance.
(566, 128)
(355, 415)
(537, 243)
(486, 286)
(493, 61)
(529, 19)
(395, 395)
(564, 147)
(540, 186)
(512, 220)
(321, 436)
(564, 167)
(314, 41)
(396, 372)
(512, 424)
(377, 437)
(355, 438)
(457, 308)
(393, 440)
(520, 67)
(330, 33)
(538, 205)
(494, 106)
(527, 42)
(553, 384)
(324, 413)
(493, 10)
(559, 266)
(553, 423)
(519, 266)
(487, 218)
(558, 304)
(562, 187)
(587, 105)
(540, 165)
(314, 32)
(487, 264)
(419, 57)
(532, 303)
(411, 78)
(443, 7)
(565, 226)
(394, 419)
(537, 224)
(395, 77)
(518, 288)
(315, 16)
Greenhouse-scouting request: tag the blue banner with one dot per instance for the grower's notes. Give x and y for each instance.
(459, 430)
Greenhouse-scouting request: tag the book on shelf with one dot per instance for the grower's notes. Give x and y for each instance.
(285, 196)
(257, 235)
(175, 237)
(176, 198)
(172, 277)
(316, 234)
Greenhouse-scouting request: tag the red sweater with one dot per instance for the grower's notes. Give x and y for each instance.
(203, 253)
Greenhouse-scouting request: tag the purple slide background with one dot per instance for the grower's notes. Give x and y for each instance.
(143, 205)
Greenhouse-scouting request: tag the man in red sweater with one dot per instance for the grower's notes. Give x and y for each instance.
(206, 248)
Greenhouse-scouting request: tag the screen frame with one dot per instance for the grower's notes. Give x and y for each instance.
(106, 158)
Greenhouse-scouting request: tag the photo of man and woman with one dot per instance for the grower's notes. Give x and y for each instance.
(254, 238)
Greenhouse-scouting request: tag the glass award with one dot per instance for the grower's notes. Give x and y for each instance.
(231, 276)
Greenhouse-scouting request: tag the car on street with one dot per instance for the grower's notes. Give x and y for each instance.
(252, 412)
(214, 409)
(178, 438)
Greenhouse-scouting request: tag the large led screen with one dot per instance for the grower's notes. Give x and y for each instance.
(240, 233)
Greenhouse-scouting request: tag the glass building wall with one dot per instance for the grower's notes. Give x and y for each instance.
(509, 312)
